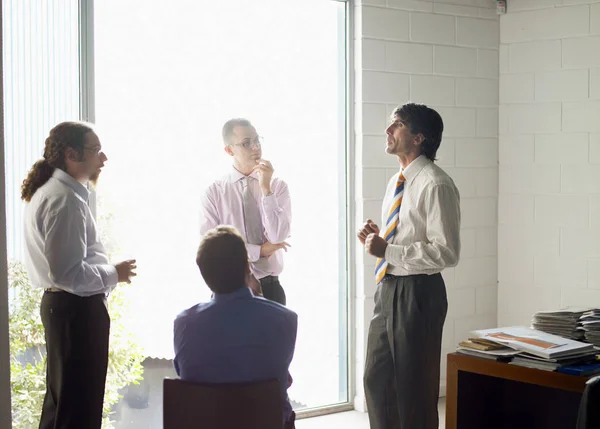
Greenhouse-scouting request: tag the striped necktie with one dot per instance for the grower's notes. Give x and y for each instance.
(390, 226)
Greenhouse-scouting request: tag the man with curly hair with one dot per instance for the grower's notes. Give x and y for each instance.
(64, 257)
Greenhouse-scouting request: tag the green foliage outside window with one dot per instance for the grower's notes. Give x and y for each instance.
(27, 353)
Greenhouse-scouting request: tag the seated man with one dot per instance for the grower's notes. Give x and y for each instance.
(236, 337)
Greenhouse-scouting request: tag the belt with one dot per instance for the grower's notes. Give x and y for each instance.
(269, 278)
(53, 289)
(393, 277)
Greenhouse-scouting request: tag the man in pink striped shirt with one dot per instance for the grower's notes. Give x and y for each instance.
(253, 201)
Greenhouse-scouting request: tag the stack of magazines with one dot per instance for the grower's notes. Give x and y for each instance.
(486, 349)
(536, 349)
(590, 325)
(564, 322)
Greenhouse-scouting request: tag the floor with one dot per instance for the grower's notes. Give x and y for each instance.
(354, 420)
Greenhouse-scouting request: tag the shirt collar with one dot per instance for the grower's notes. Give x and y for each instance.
(235, 175)
(414, 168)
(68, 180)
(243, 292)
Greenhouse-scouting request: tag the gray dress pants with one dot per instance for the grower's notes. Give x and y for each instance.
(402, 369)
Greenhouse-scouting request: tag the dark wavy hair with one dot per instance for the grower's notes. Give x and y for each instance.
(63, 136)
(426, 121)
(223, 259)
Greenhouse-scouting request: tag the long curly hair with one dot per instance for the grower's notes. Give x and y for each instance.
(63, 136)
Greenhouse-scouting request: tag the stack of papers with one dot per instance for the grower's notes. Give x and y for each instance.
(536, 343)
(564, 322)
(486, 349)
(590, 326)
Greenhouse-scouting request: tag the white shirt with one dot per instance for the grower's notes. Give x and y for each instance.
(222, 205)
(427, 238)
(61, 244)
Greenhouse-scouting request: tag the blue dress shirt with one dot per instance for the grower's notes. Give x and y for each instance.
(236, 338)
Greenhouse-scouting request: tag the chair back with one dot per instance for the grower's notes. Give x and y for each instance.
(589, 407)
(188, 405)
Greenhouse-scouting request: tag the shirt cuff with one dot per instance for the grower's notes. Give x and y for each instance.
(393, 254)
(253, 252)
(112, 278)
(270, 203)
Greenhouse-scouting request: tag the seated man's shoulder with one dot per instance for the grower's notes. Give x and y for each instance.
(193, 311)
(273, 308)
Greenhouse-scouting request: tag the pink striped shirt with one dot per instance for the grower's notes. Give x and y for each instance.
(222, 205)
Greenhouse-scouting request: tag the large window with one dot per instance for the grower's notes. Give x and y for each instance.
(41, 88)
(168, 75)
(41, 70)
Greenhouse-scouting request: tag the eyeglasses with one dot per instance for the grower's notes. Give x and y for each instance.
(95, 150)
(251, 144)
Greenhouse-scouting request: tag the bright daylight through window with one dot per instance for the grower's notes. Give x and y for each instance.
(168, 75)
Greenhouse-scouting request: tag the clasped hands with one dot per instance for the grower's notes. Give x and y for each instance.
(368, 235)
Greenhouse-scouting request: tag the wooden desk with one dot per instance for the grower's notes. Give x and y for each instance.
(485, 394)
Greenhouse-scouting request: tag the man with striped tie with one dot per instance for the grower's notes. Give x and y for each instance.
(419, 238)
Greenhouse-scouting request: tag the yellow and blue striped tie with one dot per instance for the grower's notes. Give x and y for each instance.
(390, 227)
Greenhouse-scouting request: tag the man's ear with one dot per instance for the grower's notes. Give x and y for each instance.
(419, 139)
(72, 155)
(228, 150)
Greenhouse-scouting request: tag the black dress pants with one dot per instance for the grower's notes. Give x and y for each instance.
(76, 330)
(272, 289)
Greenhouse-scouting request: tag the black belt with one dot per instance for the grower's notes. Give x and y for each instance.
(393, 277)
(56, 290)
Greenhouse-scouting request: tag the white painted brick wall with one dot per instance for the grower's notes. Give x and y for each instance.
(595, 83)
(450, 60)
(562, 85)
(430, 28)
(549, 177)
(517, 87)
(444, 54)
(533, 56)
(545, 24)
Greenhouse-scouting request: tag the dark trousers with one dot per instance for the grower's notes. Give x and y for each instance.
(291, 423)
(402, 368)
(272, 289)
(76, 331)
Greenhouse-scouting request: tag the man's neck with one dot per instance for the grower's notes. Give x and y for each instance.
(244, 169)
(78, 177)
(405, 160)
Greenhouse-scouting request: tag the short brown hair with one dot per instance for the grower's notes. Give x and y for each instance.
(223, 259)
(228, 127)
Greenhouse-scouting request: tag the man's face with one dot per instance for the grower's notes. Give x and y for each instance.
(93, 157)
(245, 145)
(400, 141)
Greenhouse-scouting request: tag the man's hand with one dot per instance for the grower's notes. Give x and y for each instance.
(376, 245)
(254, 285)
(269, 248)
(265, 173)
(125, 270)
(368, 228)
